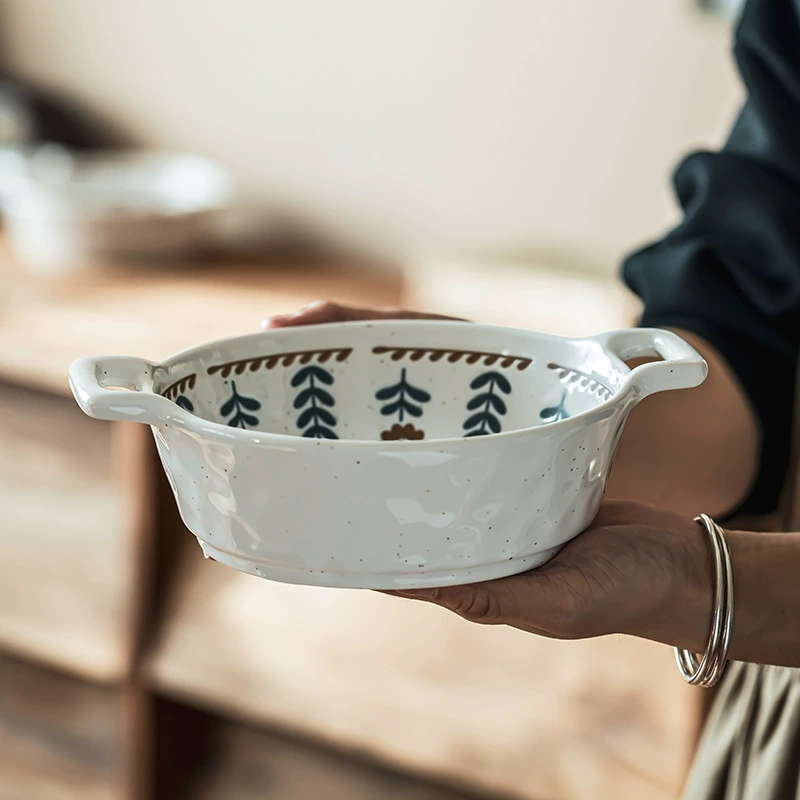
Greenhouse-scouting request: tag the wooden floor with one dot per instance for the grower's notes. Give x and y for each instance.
(250, 764)
(412, 686)
(60, 740)
(58, 736)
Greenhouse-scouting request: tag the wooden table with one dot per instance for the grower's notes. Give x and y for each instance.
(167, 659)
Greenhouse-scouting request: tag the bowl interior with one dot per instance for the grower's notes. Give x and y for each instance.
(405, 380)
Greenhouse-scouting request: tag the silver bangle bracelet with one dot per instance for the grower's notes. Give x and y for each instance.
(709, 669)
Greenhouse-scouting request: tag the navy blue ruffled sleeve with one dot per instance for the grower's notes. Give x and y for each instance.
(730, 271)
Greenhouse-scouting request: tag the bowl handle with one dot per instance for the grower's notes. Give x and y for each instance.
(132, 398)
(682, 366)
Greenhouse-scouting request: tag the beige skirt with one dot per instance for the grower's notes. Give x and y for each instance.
(750, 747)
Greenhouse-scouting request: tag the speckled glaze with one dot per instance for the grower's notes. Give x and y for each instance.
(388, 454)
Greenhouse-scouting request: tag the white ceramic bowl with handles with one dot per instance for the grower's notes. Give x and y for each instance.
(389, 454)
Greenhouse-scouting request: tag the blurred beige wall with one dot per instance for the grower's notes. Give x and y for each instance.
(536, 126)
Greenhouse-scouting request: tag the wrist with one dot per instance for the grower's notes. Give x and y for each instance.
(681, 611)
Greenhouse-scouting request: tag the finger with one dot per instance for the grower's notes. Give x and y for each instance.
(528, 627)
(322, 311)
(314, 313)
(507, 601)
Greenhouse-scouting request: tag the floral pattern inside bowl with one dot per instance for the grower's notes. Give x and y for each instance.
(392, 381)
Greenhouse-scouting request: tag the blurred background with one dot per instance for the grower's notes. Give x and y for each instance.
(174, 171)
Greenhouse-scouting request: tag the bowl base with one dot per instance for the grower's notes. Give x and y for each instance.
(380, 580)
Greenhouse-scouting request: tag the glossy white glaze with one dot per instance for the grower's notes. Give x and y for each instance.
(360, 511)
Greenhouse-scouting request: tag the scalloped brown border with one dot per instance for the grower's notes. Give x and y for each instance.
(453, 356)
(284, 359)
(591, 382)
(180, 386)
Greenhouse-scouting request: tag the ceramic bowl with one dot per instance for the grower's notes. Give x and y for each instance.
(388, 454)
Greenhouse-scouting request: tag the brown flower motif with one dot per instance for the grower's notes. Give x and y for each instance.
(398, 431)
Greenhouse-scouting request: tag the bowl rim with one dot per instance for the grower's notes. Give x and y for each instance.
(589, 416)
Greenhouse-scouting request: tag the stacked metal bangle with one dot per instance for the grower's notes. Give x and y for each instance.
(709, 669)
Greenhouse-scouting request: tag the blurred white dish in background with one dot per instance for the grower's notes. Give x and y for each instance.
(62, 209)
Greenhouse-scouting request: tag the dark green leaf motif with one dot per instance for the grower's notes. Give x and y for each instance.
(420, 395)
(555, 413)
(400, 392)
(490, 404)
(315, 420)
(184, 402)
(388, 393)
(322, 396)
(315, 414)
(235, 408)
(312, 373)
(495, 401)
(492, 378)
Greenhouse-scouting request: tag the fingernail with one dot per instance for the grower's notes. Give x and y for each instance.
(308, 307)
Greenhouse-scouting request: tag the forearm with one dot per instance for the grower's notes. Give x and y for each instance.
(766, 613)
(766, 580)
(691, 451)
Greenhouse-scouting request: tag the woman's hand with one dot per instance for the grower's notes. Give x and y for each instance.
(642, 571)
(639, 570)
(324, 311)
(636, 570)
